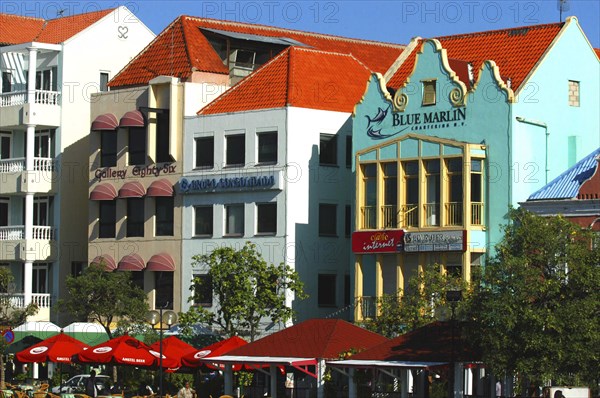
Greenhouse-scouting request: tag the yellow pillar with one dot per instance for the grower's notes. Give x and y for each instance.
(358, 287)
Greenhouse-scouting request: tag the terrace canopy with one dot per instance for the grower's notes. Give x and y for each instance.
(304, 346)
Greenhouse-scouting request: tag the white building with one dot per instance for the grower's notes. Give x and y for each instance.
(49, 69)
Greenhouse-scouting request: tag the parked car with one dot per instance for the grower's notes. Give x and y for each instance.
(76, 384)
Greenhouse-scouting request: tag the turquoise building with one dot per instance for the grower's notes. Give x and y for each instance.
(457, 131)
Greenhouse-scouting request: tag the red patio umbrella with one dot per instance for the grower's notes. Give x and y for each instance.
(174, 348)
(58, 348)
(125, 350)
(193, 359)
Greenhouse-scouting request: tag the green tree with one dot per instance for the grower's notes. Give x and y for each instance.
(247, 290)
(106, 298)
(10, 315)
(536, 310)
(423, 302)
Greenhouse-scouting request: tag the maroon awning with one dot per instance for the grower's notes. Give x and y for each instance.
(162, 187)
(131, 262)
(107, 121)
(132, 189)
(105, 191)
(161, 262)
(132, 119)
(106, 260)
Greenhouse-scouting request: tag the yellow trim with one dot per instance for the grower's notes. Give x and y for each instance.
(382, 88)
(496, 73)
(402, 58)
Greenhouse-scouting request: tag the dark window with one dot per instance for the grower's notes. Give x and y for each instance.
(347, 293)
(162, 137)
(6, 82)
(103, 81)
(3, 212)
(137, 279)
(203, 293)
(205, 152)
(236, 149)
(349, 151)
(163, 286)
(234, 222)
(348, 220)
(164, 215)
(326, 293)
(76, 268)
(327, 219)
(328, 150)
(266, 219)
(107, 218)
(203, 220)
(4, 146)
(267, 147)
(137, 145)
(135, 217)
(108, 148)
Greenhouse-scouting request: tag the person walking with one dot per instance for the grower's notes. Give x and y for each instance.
(90, 386)
(186, 391)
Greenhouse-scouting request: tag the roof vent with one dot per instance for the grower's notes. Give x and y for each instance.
(518, 32)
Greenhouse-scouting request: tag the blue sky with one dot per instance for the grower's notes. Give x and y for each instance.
(392, 21)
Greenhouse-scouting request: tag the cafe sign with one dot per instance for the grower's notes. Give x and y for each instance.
(384, 241)
(435, 241)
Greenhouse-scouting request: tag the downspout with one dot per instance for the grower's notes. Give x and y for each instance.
(547, 134)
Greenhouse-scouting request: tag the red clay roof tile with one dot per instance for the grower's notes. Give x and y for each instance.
(16, 29)
(298, 77)
(193, 47)
(516, 51)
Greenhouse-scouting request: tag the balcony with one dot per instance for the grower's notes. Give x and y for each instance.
(42, 300)
(369, 219)
(409, 215)
(14, 246)
(389, 216)
(15, 179)
(16, 111)
(476, 213)
(369, 307)
(432, 214)
(454, 213)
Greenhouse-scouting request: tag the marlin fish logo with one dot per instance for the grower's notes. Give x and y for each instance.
(376, 121)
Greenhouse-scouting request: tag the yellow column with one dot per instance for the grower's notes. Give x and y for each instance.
(378, 278)
(399, 272)
(358, 287)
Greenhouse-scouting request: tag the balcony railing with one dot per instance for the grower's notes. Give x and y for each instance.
(15, 165)
(45, 97)
(368, 305)
(409, 215)
(454, 213)
(17, 300)
(389, 215)
(368, 217)
(17, 232)
(476, 213)
(432, 214)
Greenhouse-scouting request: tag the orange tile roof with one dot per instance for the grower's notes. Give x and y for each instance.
(16, 29)
(299, 77)
(184, 41)
(516, 51)
(597, 50)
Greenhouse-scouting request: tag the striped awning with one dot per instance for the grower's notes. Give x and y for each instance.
(161, 262)
(106, 260)
(131, 262)
(132, 189)
(104, 122)
(162, 187)
(132, 119)
(105, 191)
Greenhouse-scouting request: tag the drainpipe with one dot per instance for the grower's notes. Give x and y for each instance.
(545, 127)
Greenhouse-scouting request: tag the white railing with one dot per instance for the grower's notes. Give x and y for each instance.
(45, 97)
(17, 300)
(17, 232)
(15, 165)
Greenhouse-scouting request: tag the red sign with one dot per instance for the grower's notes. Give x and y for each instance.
(384, 241)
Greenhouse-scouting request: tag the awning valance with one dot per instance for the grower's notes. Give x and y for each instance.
(106, 260)
(105, 191)
(161, 262)
(132, 119)
(131, 262)
(104, 122)
(162, 187)
(132, 189)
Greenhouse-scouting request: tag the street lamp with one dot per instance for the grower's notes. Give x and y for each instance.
(452, 297)
(161, 318)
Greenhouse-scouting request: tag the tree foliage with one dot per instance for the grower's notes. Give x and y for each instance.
(10, 315)
(247, 290)
(423, 302)
(105, 297)
(536, 310)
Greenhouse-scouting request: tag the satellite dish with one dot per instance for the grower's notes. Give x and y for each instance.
(563, 5)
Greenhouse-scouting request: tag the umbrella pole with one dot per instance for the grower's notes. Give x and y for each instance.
(60, 375)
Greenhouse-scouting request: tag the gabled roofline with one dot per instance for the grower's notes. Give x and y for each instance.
(112, 11)
(414, 42)
(23, 47)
